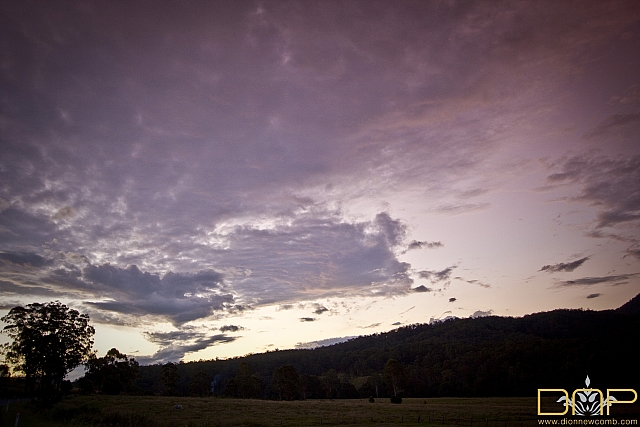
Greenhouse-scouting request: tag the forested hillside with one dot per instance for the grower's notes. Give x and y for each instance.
(489, 356)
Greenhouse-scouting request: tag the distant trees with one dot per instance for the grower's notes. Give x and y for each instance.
(394, 376)
(247, 385)
(489, 356)
(285, 382)
(200, 384)
(49, 340)
(113, 373)
(170, 379)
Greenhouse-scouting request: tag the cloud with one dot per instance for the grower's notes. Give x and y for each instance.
(453, 299)
(231, 328)
(590, 281)
(319, 309)
(177, 297)
(175, 345)
(25, 259)
(419, 245)
(613, 122)
(66, 212)
(612, 185)
(474, 282)
(396, 324)
(108, 290)
(323, 343)
(422, 288)
(480, 313)
(591, 296)
(631, 97)
(307, 319)
(633, 252)
(461, 208)
(564, 267)
(436, 276)
(189, 170)
(373, 325)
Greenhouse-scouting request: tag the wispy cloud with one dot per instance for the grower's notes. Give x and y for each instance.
(613, 122)
(590, 281)
(373, 325)
(435, 276)
(322, 343)
(610, 184)
(564, 266)
(415, 244)
(176, 344)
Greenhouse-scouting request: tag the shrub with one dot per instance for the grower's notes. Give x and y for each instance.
(396, 399)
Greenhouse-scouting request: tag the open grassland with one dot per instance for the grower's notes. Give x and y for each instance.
(155, 411)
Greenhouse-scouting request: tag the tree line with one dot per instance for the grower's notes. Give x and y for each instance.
(490, 356)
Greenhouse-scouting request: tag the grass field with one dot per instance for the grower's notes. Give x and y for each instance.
(156, 411)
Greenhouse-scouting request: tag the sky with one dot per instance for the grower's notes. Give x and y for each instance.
(217, 178)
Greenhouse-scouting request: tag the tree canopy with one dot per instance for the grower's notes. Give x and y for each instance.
(113, 373)
(49, 340)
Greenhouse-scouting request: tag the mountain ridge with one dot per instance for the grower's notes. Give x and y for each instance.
(485, 356)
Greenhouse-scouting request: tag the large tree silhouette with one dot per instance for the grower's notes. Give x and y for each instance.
(49, 340)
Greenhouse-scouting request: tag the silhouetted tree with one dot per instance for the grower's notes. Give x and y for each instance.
(311, 387)
(49, 340)
(200, 384)
(170, 378)
(394, 376)
(113, 373)
(285, 382)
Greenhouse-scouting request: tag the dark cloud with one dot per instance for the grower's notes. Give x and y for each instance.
(590, 281)
(231, 328)
(453, 299)
(564, 266)
(633, 252)
(610, 184)
(177, 297)
(320, 309)
(175, 345)
(396, 324)
(436, 276)
(421, 288)
(591, 296)
(25, 258)
(307, 319)
(613, 122)
(419, 245)
(474, 282)
(129, 291)
(373, 325)
(9, 288)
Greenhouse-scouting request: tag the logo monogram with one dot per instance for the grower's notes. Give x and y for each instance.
(589, 402)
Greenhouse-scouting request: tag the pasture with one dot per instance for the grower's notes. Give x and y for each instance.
(157, 411)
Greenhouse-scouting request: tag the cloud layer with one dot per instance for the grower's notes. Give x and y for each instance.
(186, 162)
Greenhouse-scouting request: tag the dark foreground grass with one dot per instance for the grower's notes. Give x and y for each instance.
(155, 411)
